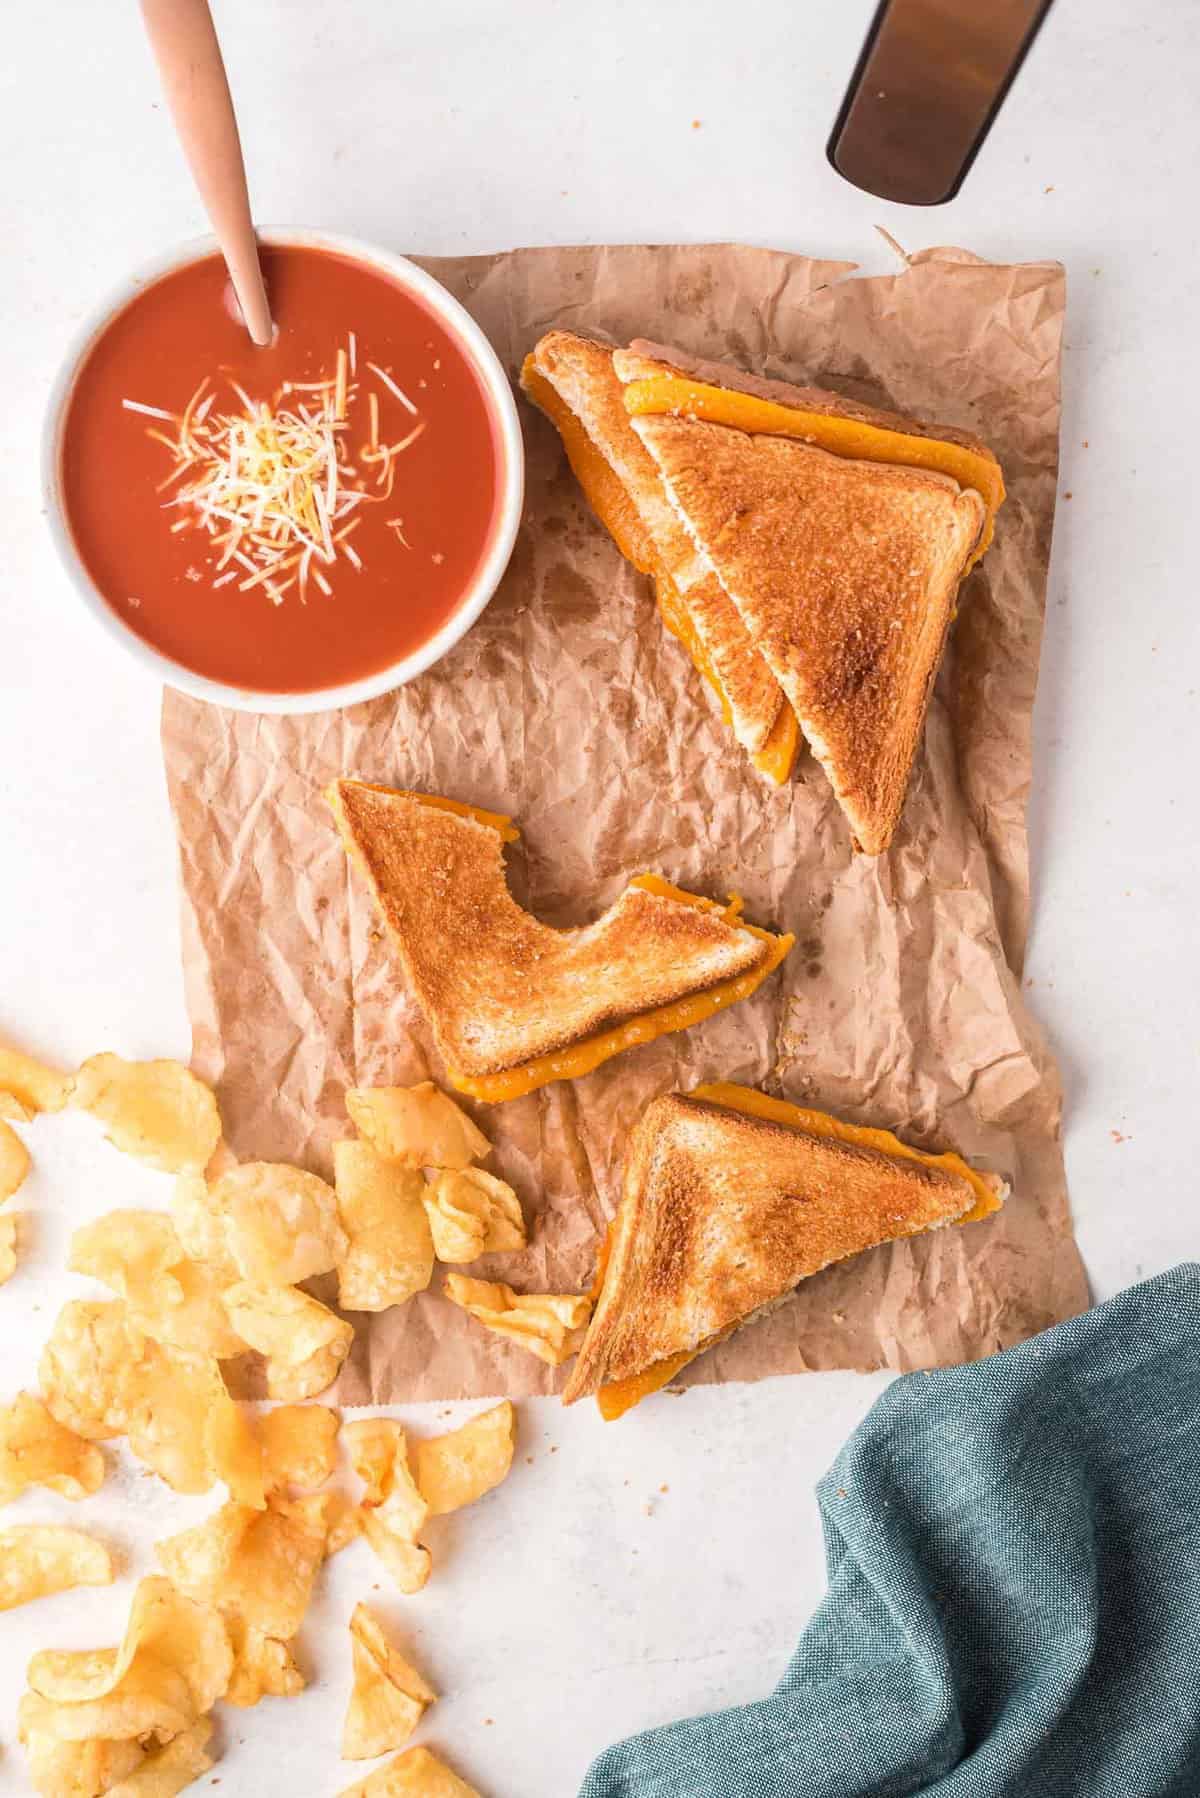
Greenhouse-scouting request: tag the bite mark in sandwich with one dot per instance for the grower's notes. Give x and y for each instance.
(512, 1003)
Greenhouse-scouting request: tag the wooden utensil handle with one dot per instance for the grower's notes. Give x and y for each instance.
(184, 40)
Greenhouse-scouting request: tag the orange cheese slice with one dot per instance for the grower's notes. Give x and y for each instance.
(841, 436)
(622, 1395)
(819, 1123)
(661, 1020)
(612, 505)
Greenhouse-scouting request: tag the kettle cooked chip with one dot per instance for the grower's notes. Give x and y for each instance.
(299, 1445)
(200, 1225)
(28, 1086)
(168, 1296)
(78, 1769)
(37, 1450)
(234, 1451)
(83, 1367)
(416, 1125)
(263, 1667)
(389, 1696)
(156, 1110)
(102, 1376)
(164, 1772)
(393, 1511)
(167, 1628)
(39, 1559)
(417, 1773)
(303, 1340)
(473, 1213)
(550, 1325)
(281, 1223)
(390, 1252)
(455, 1469)
(149, 1699)
(14, 1161)
(259, 1568)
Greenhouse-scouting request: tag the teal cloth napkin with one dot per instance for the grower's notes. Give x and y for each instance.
(1014, 1588)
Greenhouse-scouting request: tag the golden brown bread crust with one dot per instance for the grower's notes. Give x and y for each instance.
(644, 359)
(722, 1215)
(845, 573)
(497, 986)
(581, 372)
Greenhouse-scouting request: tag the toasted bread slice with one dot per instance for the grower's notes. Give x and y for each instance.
(634, 506)
(845, 573)
(722, 1214)
(506, 995)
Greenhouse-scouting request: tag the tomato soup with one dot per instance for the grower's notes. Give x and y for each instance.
(287, 518)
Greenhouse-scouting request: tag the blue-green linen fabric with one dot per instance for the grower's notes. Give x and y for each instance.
(1014, 1588)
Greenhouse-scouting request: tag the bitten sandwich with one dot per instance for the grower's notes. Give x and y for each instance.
(730, 1200)
(806, 550)
(512, 1003)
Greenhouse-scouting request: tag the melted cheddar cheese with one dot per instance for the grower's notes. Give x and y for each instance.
(611, 503)
(841, 436)
(661, 1020)
(613, 1401)
(819, 1123)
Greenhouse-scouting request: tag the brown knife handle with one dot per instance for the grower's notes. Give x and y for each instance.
(930, 80)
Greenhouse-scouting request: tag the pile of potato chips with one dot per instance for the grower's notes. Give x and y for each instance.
(221, 1276)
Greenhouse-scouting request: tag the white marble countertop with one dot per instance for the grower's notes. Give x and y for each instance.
(623, 1576)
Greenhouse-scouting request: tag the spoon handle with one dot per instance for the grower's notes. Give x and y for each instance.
(184, 40)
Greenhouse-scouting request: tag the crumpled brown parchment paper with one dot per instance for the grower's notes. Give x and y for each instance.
(570, 707)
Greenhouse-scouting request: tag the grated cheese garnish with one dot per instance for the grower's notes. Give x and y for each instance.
(274, 485)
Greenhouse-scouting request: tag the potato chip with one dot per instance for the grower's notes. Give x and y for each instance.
(166, 1771)
(550, 1325)
(472, 1213)
(416, 1125)
(168, 1398)
(175, 1300)
(259, 1568)
(168, 1629)
(372, 1444)
(156, 1110)
(148, 1699)
(235, 1453)
(299, 1445)
(304, 1341)
(28, 1086)
(393, 1510)
(456, 1469)
(102, 1377)
(390, 1253)
(200, 1225)
(8, 1246)
(389, 1696)
(14, 1161)
(83, 1366)
(414, 1774)
(281, 1224)
(78, 1769)
(39, 1559)
(343, 1522)
(263, 1667)
(37, 1450)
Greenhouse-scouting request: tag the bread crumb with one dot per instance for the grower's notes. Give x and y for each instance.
(696, 124)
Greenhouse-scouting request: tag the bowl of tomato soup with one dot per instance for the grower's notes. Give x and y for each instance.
(297, 526)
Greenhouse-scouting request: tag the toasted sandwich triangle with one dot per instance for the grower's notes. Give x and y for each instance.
(582, 375)
(498, 987)
(845, 574)
(722, 1215)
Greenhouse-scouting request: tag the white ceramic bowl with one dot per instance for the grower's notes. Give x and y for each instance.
(483, 360)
